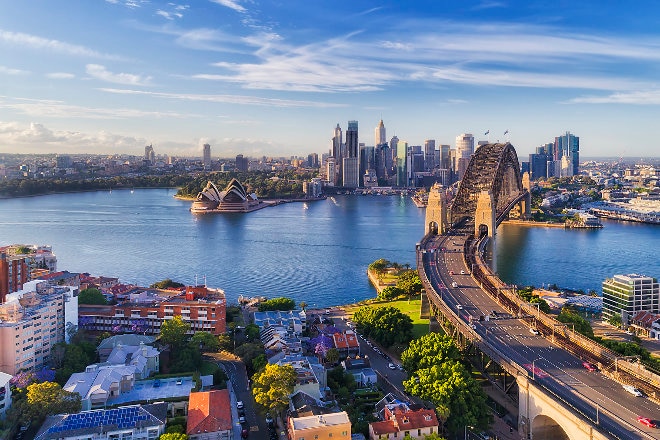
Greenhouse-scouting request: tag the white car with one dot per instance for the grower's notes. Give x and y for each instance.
(239, 404)
(632, 390)
(534, 331)
(391, 366)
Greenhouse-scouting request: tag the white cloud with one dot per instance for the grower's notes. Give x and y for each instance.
(176, 11)
(34, 42)
(100, 72)
(230, 99)
(232, 4)
(646, 97)
(60, 75)
(57, 109)
(9, 71)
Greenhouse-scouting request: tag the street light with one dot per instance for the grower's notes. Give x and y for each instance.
(534, 368)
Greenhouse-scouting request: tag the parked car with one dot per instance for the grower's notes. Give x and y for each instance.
(462, 272)
(269, 421)
(239, 404)
(391, 366)
(245, 433)
(242, 420)
(156, 383)
(179, 381)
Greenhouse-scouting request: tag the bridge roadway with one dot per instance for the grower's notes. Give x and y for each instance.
(599, 399)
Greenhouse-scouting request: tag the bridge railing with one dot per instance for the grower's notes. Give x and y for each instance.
(572, 341)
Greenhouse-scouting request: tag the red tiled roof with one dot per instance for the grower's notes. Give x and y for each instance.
(421, 418)
(209, 411)
(645, 319)
(382, 428)
(345, 340)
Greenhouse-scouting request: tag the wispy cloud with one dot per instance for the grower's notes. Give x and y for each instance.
(60, 75)
(132, 4)
(35, 42)
(9, 71)
(230, 99)
(232, 4)
(174, 11)
(646, 97)
(100, 72)
(489, 4)
(57, 109)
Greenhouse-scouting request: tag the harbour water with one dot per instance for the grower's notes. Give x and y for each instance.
(315, 252)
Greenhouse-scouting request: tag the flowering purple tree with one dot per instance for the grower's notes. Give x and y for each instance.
(45, 375)
(85, 322)
(22, 379)
(139, 326)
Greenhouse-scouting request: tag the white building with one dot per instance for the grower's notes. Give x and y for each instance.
(627, 295)
(5, 394)
(464, 145)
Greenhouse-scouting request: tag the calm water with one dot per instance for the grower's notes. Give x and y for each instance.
(317, 252)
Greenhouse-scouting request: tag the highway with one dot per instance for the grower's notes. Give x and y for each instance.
(596, 397)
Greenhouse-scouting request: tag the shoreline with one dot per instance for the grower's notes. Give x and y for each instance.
(535, 224)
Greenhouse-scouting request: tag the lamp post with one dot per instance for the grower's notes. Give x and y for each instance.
(534, 367)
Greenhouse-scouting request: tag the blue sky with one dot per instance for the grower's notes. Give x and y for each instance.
(275, 77)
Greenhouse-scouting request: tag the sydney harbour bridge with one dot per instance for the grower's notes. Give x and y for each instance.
(559, 383)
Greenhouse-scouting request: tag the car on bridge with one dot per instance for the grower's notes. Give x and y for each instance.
(589, 366)
(632, 390)
(647, 422)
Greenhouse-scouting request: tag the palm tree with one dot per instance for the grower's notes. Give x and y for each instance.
(302, 305)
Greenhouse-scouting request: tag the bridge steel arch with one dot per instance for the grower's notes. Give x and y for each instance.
(493, 168)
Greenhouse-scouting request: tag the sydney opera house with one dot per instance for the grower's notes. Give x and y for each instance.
(233, 199)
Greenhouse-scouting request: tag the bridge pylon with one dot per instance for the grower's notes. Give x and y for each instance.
(526, 210)
(437, 221)
(485, 222)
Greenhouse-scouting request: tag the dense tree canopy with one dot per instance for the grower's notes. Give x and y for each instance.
(173, 436)
(205, 341)
(272, 386)
(387, 325)
(436, 374)
(567, 316)
(47, 398)
(409, 283)
(167, 284)
(281, 303)
(431, 349)
(92, 296)
(389, 292)
(173, 331)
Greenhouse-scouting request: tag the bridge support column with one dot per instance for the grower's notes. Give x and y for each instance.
(526, 207)
(484, 217)
(436, 211)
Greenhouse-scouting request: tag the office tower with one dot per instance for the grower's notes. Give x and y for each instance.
(313, 160)
(331, 171)
(429, 154)
(545, 149)
(149, 154)
(380, 158)
(379, 137)
(207, 157)
(444, 157)
(464, 145)
(352, 153)
(241, 163)
(352, 143)
(566, 167)
(627, 295)
(367, 158)
(568, 145)
(401, 158)
(337, 143)
(393, 153)
(350, 172)
(553, 168)
(63, 161)
(538, 165)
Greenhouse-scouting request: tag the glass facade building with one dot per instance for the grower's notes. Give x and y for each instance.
(626, 295)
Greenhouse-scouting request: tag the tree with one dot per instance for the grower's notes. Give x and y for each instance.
(173, 331)
(167, 284)
(47, 398)
(205, 341)
(302, 305)
(272, 386)
(332, 355)
(92, 296)
(431, 349)
(389, 292)
(251, 332)
(615, 320)
(387, 325)
(409, 283)
(581, 325)
(259, 362)
(459, 399)
(173, 436)
(281, 303)
(248, 352)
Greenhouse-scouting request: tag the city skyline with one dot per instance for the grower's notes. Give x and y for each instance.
(259, 79)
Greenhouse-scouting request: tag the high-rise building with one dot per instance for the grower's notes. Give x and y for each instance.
(379, 137)
(207, 157)
(13, 274)
(568, 145)
(331, 171)
(444, 157)
(394, 142)
(429, 154)
(350, 172)
(352, 142)
(566, 167)
(313, 160)
(241, 163)
(626, 295)
(464, 145)
(337, 148)
(149, 154)
(367, 158)
(63, 161)
(401, 162)
(538, 164)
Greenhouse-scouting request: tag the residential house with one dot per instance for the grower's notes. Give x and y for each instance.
(334, 425)
(209, 415)
(400, 419)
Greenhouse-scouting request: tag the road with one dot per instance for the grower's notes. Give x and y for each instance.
(596, 396)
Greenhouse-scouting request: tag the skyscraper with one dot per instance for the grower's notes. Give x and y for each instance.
(568, 145)
(379, 137)
(207, 156)
(149, 154)
(351, 163)
(241, 163)
(445, 164)
(401, 170)
(429, 154)
(336, 143)
(391, 163)
(464, 146)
